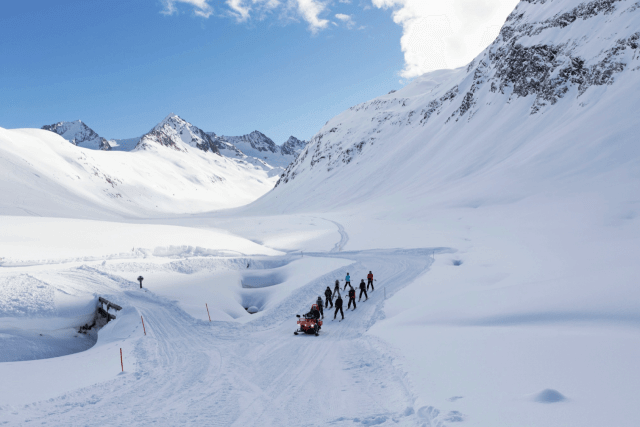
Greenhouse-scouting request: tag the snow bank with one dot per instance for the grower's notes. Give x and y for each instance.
(25, 240)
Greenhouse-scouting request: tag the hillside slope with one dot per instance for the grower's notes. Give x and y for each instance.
(42, 174)
(551, 100)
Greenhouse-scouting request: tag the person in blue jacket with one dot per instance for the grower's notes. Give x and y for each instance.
(347, 281)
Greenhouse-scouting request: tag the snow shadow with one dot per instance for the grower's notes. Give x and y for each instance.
(21, 345)
(262, 279)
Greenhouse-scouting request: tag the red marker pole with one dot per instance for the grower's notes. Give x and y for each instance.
(208, 311)
(143, 328)
(121, 364)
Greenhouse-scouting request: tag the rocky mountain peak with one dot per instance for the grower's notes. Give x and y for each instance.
(293, 146)
(177, 133)
(79, 134)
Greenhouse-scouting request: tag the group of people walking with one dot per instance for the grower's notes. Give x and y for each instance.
(329, 295)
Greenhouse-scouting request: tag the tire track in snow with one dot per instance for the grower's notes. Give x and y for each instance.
(344, 237)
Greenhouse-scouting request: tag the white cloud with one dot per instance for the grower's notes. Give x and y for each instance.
(201, 7)
(445, 34)
(243, 10)
(310, 11)
(239, 9)
(347, 19)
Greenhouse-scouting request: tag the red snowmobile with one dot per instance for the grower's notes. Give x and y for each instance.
(310, 323)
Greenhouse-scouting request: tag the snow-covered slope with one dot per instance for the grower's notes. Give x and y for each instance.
(79, 134)
(553, 97)
(177, 133)
(42, 174)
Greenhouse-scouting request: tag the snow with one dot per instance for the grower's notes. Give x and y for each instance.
(127, 144)
(503, 241)
(47, 176)
(258, 145)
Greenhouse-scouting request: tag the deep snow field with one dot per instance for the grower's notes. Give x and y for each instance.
(498, 206)
(472, 330)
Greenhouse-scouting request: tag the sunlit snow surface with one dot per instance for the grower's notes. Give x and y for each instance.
(504, 242)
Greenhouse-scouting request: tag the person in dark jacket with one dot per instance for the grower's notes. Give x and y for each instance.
(336, 288)
(338, 307)
(328, 298)
(370, 281)
(352, 298)
(313, 314)
(319, 302)
(363, 289)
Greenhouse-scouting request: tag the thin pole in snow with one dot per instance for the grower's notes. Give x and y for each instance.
(207, 305)
(143, 328)
(121, 364)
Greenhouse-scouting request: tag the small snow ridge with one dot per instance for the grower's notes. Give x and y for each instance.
(454, 417)
(549, 396)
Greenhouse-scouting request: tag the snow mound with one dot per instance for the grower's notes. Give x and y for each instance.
(549, 396)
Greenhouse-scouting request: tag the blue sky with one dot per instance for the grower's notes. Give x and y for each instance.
(122, 66)
(283, 67)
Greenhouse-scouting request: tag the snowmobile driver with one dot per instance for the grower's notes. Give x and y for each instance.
(352, 298)
(347, 281)
(319, 303)
(313, 314)
(338, 307)
(363, 289)
(370, 281)
(328, 298)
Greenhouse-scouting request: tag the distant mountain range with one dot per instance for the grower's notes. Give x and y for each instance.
(176, 133)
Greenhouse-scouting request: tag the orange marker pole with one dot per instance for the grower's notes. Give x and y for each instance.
(208, 311)
(143, 328)
(121, 364)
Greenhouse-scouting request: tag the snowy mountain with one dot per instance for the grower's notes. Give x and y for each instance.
(126, 144)
(258, 145)
(497, 206)
(79, 134)
(227, 149)
(45, 175)
(544, 100)
(293, 146)
(177, 133)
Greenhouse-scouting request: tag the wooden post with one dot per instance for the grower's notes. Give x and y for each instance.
(121, 364)
(208, 311)
(143, 328)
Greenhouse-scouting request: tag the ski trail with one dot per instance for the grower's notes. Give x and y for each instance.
(344, 237)
(193, 372)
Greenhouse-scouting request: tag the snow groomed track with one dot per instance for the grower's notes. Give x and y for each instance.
(189, 371)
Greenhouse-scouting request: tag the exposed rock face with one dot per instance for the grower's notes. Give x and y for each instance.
(175, 132)
(79, 134)
(293, 146)
(256, 140)
(548, 51)
(259, 146)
